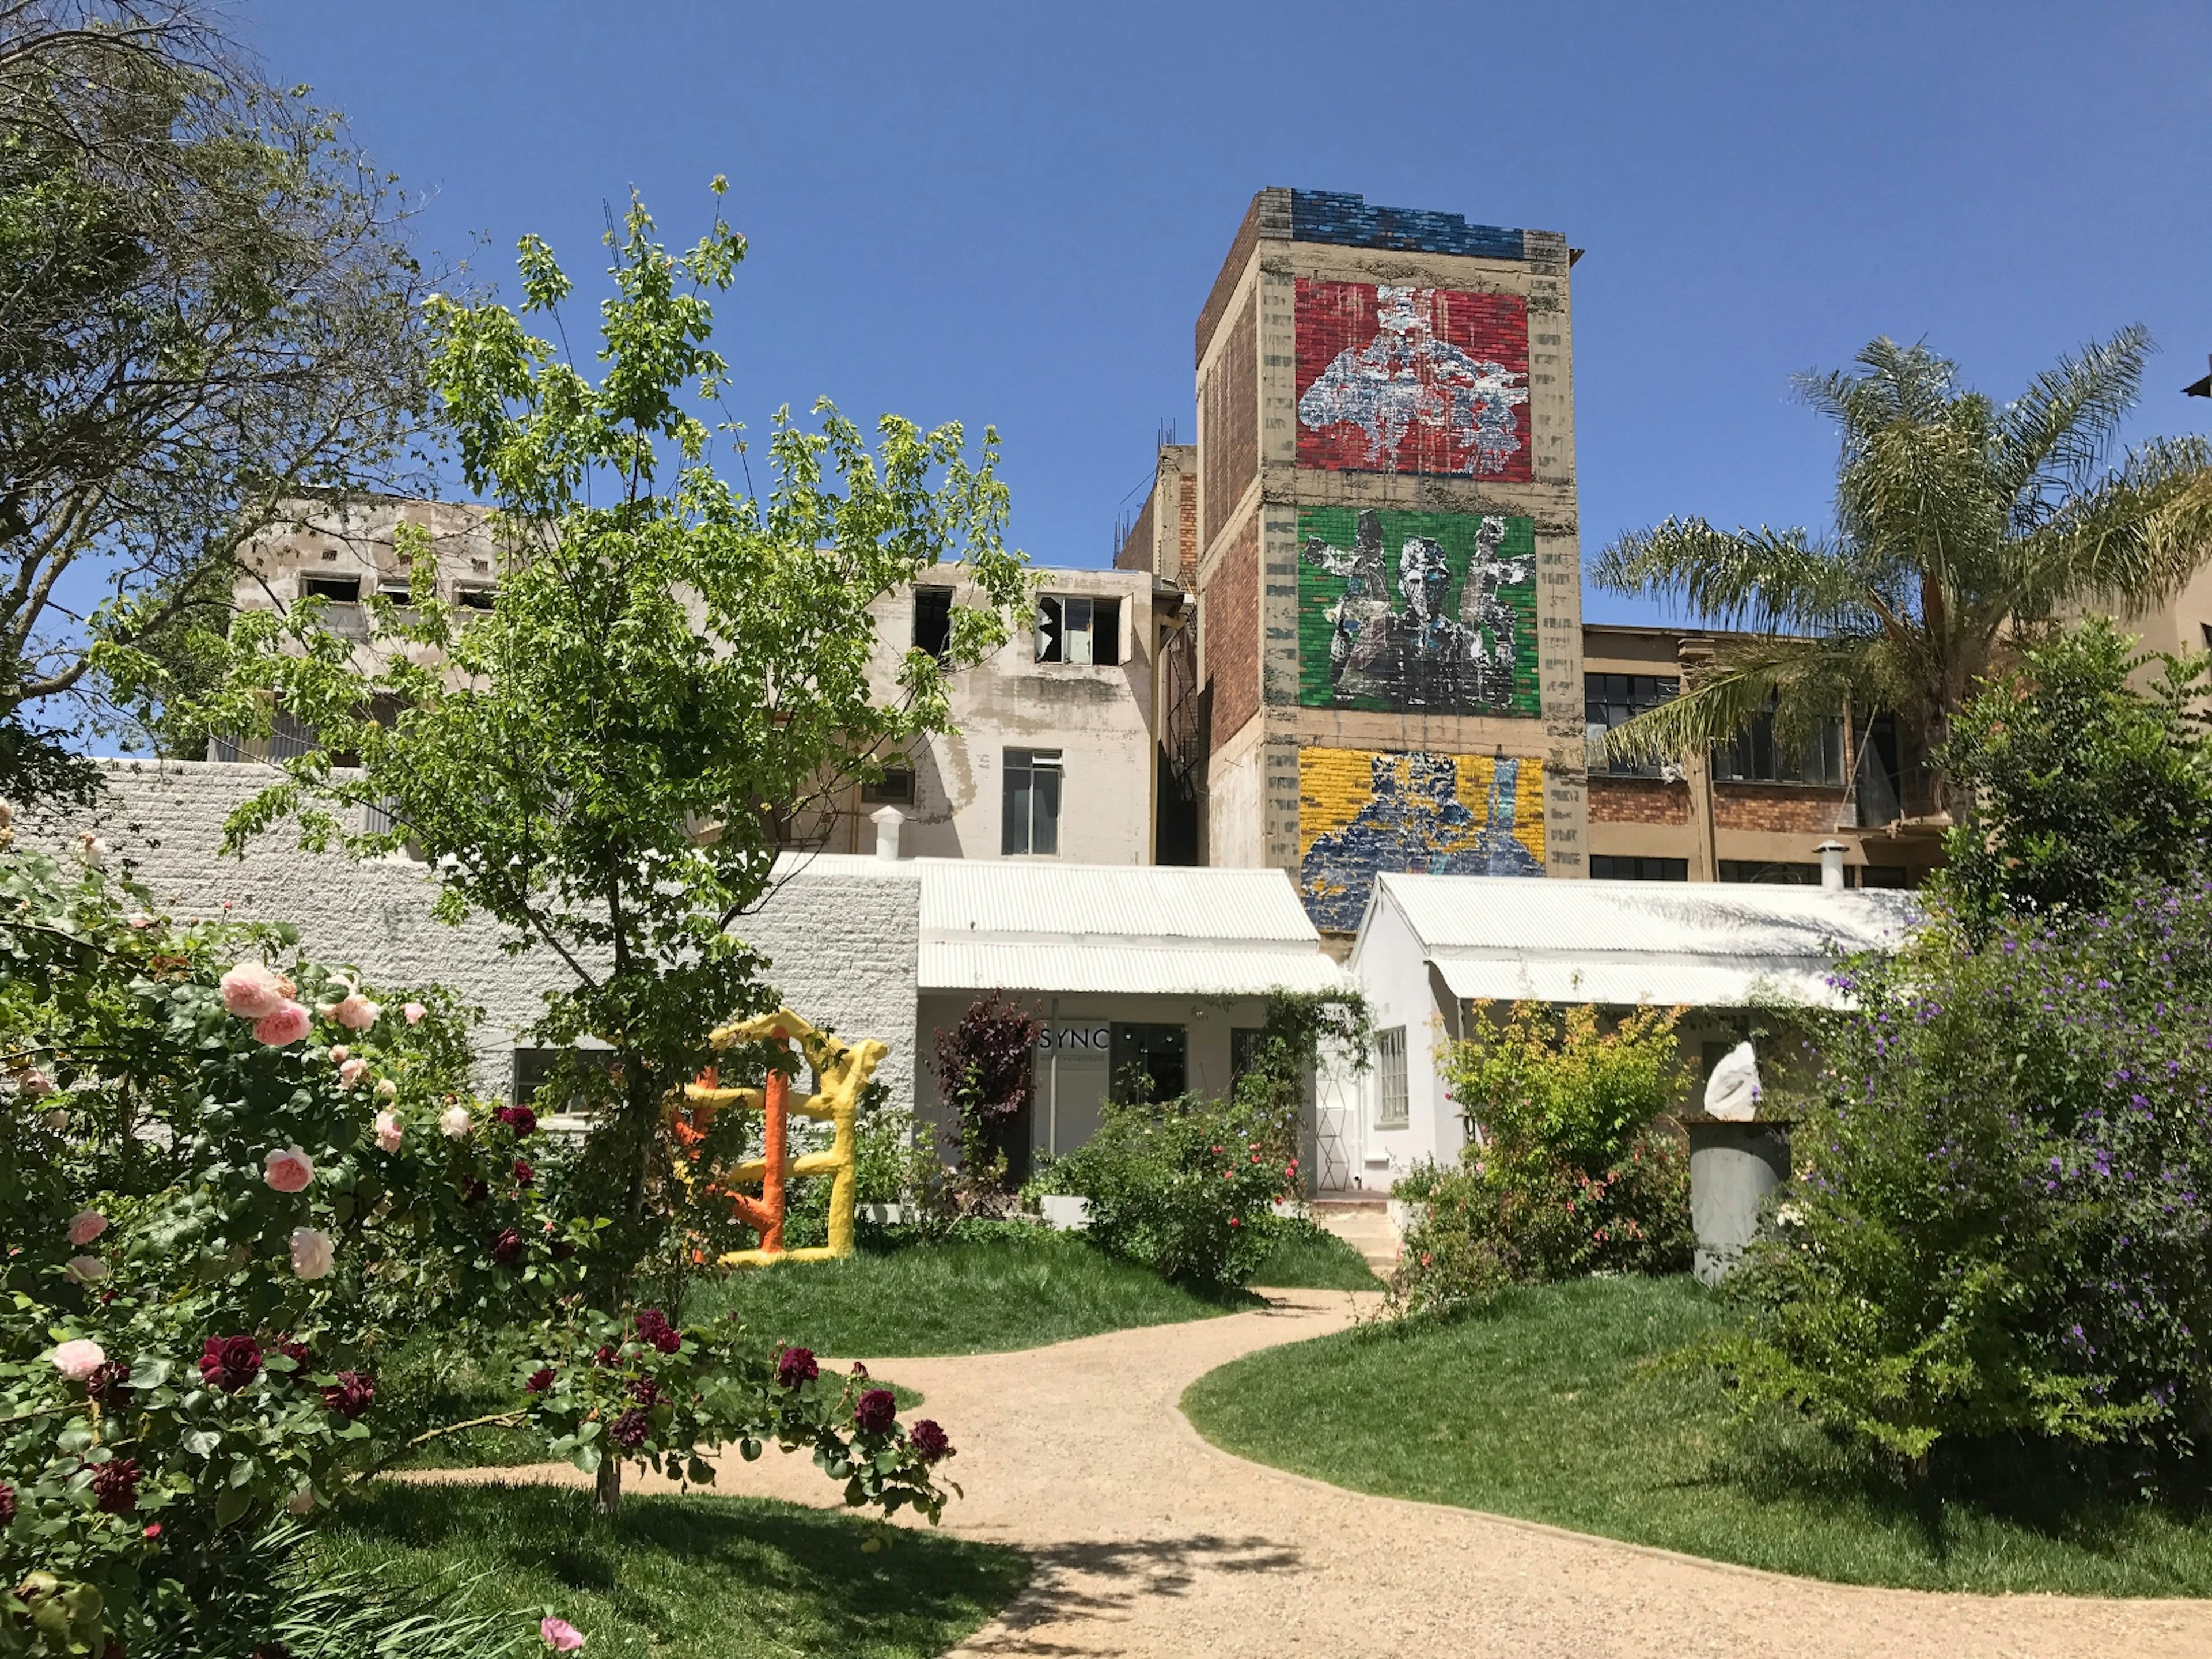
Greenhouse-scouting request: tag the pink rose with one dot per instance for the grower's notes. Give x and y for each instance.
(85, 1227)
(139, 921)
(340, 1053)
(414, 1011)
(312, 1251)
(349, 1073)
(388, 1131)
(253, 990)
(35, 1085)
(387, 1090)
(355, 1011)
(289, 1171)
(288, 1024)
(453, 1122)
(87, 1269)
(560, 1635)
(79, 1359)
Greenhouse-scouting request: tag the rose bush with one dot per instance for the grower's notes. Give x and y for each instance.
(219, 1215)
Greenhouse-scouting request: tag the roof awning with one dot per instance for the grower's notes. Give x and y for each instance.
(1626, 981)
(1076, 966)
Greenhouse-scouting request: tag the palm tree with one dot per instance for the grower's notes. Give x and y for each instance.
(1958, 522)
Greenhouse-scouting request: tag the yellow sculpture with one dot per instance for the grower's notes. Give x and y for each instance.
(843, 1070)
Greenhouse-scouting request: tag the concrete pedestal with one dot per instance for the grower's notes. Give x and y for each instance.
(1733, 1168)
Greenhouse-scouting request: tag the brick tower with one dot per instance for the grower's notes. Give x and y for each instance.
(1389, 582)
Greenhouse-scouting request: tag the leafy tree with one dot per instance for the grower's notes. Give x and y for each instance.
(1957, 519)
(985, 1070)
(210, 316)
(603, 763)
(2080, 785)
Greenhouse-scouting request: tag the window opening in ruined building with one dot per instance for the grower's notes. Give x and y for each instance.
(2206, 629)
(1073, 629)
(1149, 1062)
(933, 620)
(341, 590)
(473, 598)
(1031, 822)
(1610, 700)
(1614, 867)
(1754, 756)
(1392, 1109)
(894, 788)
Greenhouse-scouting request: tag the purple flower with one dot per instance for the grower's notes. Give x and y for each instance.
(875, 1411)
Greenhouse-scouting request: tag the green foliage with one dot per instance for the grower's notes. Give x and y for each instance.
(1302, 1029)
(1306, 1256)
(1995, 1233)
(2080, 786)
(1957, 519)
(1186, 1187)
(1569, 1167)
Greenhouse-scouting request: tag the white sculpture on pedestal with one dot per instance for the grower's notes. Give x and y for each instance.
(1732, 1091)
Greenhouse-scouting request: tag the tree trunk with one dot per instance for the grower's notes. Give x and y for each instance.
(607, 1494)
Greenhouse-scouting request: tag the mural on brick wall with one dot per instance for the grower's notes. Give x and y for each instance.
(1426, 612)
(1361, 813)
(1413, 379)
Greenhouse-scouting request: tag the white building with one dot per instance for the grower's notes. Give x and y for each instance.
(1429, 945)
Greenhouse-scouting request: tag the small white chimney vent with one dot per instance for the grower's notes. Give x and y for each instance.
(887, 820)
(1832, 865)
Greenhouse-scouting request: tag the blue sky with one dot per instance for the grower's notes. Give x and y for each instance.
(1011, 213)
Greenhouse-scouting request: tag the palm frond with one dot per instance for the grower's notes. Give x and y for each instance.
(2133, 540)
(1767, 579)
(2052, 439)
(1802, 682)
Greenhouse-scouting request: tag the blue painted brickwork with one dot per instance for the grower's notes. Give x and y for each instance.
(1328, 216)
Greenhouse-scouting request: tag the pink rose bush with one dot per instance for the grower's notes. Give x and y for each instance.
(289, 1171)
(253, 990)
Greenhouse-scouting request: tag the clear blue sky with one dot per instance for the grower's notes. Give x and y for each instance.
(1011, 213)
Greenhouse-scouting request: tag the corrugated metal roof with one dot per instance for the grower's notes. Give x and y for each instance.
(949, 964)
(1708, 943)
(1121, 902)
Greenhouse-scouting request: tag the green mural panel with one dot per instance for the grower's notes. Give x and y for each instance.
(1417, 612)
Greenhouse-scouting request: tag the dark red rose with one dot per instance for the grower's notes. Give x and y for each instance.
(929, 1441)
(472, 1192)
(628, 1431)
(7, 1503)
(652, 1326)
(106, 1384)
(524, 1175)
(350, 1395)
(507, 1248)
(860, 1370)
(298, 1353)
(263, 1651)
(646, 1391)
(562, 1250)
(875, 1411)
(520, 1119)
(229, 1363)
(115, 1485)
(540, 1380)
(796, 1366)
(606, 1356)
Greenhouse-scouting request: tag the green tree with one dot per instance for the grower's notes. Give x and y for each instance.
(603, 763)
(2079, 785)
(211, 316)
(1957, 519)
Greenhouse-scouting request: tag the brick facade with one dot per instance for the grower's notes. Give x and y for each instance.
(1776, 808)
(1228, 423)
(1232, 635)
(1187, 530)
(1637, 800)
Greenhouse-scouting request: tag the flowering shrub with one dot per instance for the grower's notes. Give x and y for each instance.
(1186, 1187)
(227, 1175)
(1570, 1168)
(1998, 1225)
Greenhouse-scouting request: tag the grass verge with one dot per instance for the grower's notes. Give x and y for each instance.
(687, 1578)
(1024, 1290)
(1308, 1257)
(1559, 1405)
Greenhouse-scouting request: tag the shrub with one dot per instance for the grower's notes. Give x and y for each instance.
(1186, 1187)
(985, 1070)
(1998, 1225)
(1571, 1167)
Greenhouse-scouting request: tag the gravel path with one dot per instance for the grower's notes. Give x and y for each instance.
(1149, 1541)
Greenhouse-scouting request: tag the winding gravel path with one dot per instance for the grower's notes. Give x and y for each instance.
(1149, 1541)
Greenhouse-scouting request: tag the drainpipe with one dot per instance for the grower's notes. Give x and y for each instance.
(1832, 865)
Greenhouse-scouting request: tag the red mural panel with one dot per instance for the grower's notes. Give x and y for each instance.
(1413, 379)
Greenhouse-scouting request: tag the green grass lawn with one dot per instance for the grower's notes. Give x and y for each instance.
(683, 1577)
(984, 1295)
(1308, 1257)
(1558, 1405)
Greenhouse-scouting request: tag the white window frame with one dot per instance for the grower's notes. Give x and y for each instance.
(1393, 1099)
(1032, 761)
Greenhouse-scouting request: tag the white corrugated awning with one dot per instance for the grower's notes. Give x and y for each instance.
(1655, 980)
(1086, 965)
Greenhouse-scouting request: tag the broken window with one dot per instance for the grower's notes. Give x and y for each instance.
(933, 620)
(1072, 628)
(473, 598)
(340, 590)
(1032, 820)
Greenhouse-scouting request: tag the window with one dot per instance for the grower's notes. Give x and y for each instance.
(1149, 1062)
(533, 1066)
(1244, 1049)
(1754, 757)
(933, 620)
(341, 590)
(1031, 821)
(1610, 700)
(1073, 628)
(473, 598)
(1391, 1106)
(1769, 875)
(894, 788)
(1882, 875)
(400, 593)
(1611, 866)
